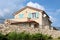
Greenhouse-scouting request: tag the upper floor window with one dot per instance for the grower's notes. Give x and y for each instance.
(21, 15)
(33, 15)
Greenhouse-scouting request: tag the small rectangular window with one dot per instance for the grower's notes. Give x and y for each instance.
(33, 15)
(21, 15)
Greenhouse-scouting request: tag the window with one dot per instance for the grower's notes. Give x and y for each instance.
(33, 15)
(21, 15)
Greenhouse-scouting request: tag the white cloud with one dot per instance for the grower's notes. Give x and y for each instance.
(52, 19)
(55, 12)
(9, 7)
(6, 10)
(1, 13)
(58, 10)
(35, 5)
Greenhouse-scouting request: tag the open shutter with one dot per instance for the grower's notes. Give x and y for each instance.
(29, 15)
(37, 14)
(21, 15)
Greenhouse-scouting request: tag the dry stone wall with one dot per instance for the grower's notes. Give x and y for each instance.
(5, 29)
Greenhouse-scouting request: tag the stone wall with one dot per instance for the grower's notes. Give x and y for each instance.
(10, 28)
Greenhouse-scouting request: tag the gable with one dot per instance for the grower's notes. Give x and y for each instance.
(26, 8)
(26, 13)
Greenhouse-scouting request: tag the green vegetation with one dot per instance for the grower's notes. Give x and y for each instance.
(24, 36)
(58, 37)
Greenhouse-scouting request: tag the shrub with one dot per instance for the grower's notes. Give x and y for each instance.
(27, 37)
(49, 37)
(20, 36)
(58, 37)
(36, 36)
(1, 36)
(24, 36)
(46, 37)
(39, 36)
(12, 36)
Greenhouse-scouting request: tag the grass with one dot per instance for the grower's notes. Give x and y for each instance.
(24, 36)
(56, 39)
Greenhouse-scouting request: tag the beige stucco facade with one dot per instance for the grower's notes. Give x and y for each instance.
(26, 12)
(42, 20)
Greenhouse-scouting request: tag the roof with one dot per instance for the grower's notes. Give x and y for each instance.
(49, 20)
(28, 21)
(55, 28)
(45, 13)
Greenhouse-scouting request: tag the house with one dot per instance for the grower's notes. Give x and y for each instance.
(30, 17)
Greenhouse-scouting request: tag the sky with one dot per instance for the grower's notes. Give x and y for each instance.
(51, 7)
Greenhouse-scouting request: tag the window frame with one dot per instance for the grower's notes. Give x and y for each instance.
(33, 15)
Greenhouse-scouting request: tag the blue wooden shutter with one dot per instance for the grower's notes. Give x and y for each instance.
(29, 15)
(21, 15)
(37, 14)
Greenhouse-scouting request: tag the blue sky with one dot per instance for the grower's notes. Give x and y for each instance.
(52, 8)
